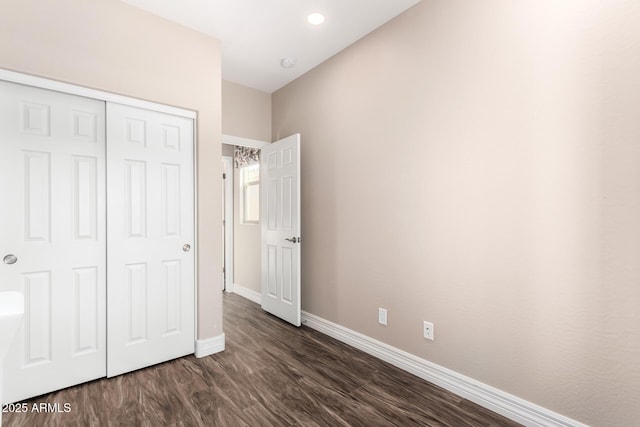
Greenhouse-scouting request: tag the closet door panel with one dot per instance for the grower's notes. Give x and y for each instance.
(151, 295)
(52, 218)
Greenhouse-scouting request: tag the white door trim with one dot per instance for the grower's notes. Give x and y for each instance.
(43, 83)
(243, 142)
(228, 225)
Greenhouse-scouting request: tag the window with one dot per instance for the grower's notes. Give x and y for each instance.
(250, 194)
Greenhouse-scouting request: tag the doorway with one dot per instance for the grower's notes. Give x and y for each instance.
(241, 225)
(266, 225)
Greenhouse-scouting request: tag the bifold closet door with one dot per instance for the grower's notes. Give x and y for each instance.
(150, 203)
(52, 220)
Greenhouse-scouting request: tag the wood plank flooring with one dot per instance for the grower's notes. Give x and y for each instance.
(271, 374)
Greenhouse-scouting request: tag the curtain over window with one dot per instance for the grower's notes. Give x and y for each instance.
(243, 156)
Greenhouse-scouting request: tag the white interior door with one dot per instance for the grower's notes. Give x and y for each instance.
(151, 251)
(52, 219)
(280, 219)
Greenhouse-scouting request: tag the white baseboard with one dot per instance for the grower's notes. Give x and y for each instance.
(503, 403)
(249, 294)
(210, 346)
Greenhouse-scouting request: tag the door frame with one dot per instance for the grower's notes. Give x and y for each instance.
(72, 89)
(43, 83)
(228, 236)
(229, 206)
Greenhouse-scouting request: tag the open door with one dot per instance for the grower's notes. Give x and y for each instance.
(280, 220)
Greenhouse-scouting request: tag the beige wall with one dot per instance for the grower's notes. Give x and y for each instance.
(246, 112)
(507, 210)
(107, 45)
(227, 150)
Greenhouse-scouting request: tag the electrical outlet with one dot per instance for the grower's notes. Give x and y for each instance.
(382, 316)
(427, 330)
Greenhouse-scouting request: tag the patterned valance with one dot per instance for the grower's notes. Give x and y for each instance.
(243, 156)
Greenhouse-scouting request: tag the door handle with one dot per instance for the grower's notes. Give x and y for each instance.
(10, 259)
(292, 240)
(186, 248)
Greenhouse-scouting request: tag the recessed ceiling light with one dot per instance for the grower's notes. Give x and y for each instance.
(315, 18)
(288, 62)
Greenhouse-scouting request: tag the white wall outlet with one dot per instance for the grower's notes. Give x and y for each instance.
(382, 316)
(427, 330)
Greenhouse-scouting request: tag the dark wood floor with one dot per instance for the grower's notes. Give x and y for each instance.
(271, 374)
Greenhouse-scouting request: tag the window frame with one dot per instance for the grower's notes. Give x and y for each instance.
(244, 187)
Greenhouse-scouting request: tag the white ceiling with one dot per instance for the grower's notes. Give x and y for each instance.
(257, 34)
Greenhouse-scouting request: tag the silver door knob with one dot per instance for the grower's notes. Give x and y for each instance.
(186, 248)
(10, 259)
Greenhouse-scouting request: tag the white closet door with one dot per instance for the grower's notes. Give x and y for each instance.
(52, 218)
(150, 204)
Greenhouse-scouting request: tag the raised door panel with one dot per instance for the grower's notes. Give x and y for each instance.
(135, 197)
(37, 196)
(136, 303)
(38, 324)
(85, 197)
(171, 200)
(287, 275)
(35, 118)
(272, 272)
(85, 126)
(171, 279)
(87, 300)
